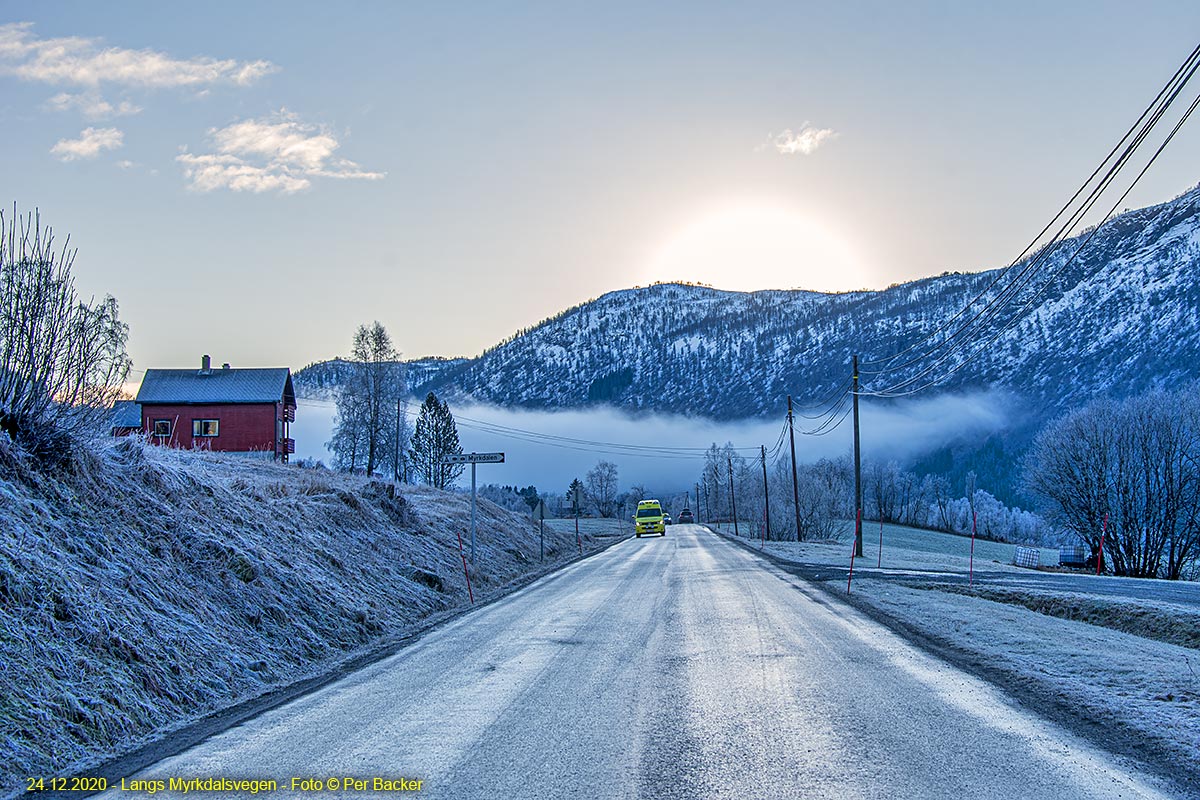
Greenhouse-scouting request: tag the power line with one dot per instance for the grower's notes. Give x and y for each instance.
(568, 439)
(1155, 109)
(960, 338)
(890, 392)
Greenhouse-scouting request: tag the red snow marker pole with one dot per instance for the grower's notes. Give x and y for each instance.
(1100, 554)
(857, 527)
(971, 579)
(578, 541)
(466, 574)
(880, 562)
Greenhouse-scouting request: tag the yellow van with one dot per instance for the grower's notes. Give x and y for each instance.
(649, 518)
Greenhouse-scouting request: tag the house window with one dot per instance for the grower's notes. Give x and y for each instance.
(205, 427)
(162, 427)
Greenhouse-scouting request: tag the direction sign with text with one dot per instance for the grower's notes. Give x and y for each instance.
(473, 458)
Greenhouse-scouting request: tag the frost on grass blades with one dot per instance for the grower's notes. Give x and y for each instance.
(902, 432)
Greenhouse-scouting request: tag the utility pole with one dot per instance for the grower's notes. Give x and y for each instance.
(707, 516)
(698, 503)
(795, 480)
(858, 505)
(732, 497)
(762, 449)
(396, 460)
(716, 497)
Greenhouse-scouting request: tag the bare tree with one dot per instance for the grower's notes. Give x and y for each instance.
(602, 487)
(368, 404)
(1136, 463)
(62, 360)
(935, 490)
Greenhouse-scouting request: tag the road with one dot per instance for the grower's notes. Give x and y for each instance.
(676, 667)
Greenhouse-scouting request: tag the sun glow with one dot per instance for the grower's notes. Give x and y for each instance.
(749, 247)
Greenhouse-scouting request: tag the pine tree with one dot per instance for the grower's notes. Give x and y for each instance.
(573, 491)
(435, 436)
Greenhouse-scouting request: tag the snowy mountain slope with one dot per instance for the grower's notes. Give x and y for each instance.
(324, 377)
(1123, 317)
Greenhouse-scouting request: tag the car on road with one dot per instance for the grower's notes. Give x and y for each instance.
(649, 519)
(666, 519)
(685, 517)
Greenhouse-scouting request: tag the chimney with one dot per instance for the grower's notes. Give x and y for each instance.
(225, 365)
(205, 364)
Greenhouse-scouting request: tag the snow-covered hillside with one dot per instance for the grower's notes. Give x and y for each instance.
(1121, 318)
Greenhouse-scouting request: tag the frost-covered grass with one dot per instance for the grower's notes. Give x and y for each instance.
(1148, 687)
(1149, 619)
(1134, 664)
(145, 587)
(904, 548)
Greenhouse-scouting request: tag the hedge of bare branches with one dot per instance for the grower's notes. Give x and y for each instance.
(62, 360)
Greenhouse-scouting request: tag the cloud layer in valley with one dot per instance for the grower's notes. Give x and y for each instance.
(894, 431)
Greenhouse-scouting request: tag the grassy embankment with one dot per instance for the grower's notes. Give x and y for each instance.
(143, 588)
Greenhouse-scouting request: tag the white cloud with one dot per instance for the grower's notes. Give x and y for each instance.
(90, 143)
(804, 141)
(278, 153)
(91, 105)
(81, 61)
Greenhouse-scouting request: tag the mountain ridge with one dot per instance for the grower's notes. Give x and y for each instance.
(1121, 318)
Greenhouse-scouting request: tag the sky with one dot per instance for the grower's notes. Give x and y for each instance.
(254, 181)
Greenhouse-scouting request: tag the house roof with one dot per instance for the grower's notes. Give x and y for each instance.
(188, 386)
(126, 414)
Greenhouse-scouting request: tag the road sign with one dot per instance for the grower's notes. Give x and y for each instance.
(539, 511)
(473, 458)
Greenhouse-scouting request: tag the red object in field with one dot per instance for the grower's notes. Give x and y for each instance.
(971, 578)
(853, 547)
(466, 574)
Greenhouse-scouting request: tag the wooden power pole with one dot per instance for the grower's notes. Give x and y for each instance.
(795, 480)
(732, 498)
(762, 449)
(858, 505)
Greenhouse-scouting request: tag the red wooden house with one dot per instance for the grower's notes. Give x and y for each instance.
(229, 410)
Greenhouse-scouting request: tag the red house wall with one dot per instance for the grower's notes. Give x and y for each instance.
(243, 427)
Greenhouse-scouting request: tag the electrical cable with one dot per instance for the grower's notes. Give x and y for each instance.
(1188, 66)
(990, 311)
(890, 392)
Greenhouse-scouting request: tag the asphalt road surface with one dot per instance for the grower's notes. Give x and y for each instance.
(676, 667)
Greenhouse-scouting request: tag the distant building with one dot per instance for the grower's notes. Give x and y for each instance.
(226, 410)
(125, 418)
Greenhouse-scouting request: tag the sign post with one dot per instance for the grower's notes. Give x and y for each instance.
(578, 503)
(540, 512)
(473, 459)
